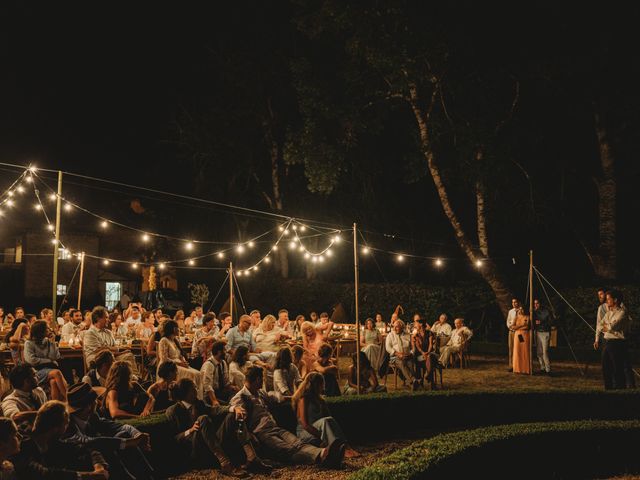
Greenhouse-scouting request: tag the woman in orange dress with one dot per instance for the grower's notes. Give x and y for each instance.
(521, 352)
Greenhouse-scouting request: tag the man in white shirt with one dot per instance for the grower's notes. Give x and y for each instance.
(511, 320)
(614, 351)
(458, 340)
(133, 315)
(215, 376)
(283, 323)
(199, 316)
(398, 346)
(256, 320)
(22, 404)
(72, 327)
(442, 330)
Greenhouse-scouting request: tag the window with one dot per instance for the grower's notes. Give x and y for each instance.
(113, 292)
(64, 254)
(9, 255)
(61, 290)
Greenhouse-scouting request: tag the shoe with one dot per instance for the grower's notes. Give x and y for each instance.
(414, 386)
(510, 370)
(259, 467)
(333, 454)
(235, 472)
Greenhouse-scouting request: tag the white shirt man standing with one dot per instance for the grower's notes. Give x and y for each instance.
(511, 320)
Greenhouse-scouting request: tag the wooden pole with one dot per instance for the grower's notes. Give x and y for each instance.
(81, 278)
(531, 331)
(231, 290)
(56, 248)
(356, 281)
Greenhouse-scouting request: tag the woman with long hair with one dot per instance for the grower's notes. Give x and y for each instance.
(239, 366)
(170, 349)
(125, 398)
(368, 378)
(267, 336)
(146, 329)
(16, 338)
(521, 356)
(41, 352)
(286, 376)
(371, 344)
(160, 390)
(324, 364)
(316, 426)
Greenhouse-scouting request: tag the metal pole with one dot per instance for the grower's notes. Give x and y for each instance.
(56, 247)
(356, 281)
(231, 290)
(81, 277)
(531, 325)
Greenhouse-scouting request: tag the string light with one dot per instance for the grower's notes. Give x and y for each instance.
(67, 206)
(106, 262)
(303, 228)
(10, 193)
(53, 241)
(192, 262)
(438, 262)
(301, 249)
(251, 244)
(20, 189)
(321, 258)
(145, 237)
(104, 224)
(281, 228)
(295, 227)
(329, 252)
(53, 197)
(267, 260)
(220, 255)
(337, 239)
(239, 273)
(161, 266)
(37, 206)
(189, 246)
(29, 179)
(50, 227)
(10, 203)
(314, 259)
(479, 263)
(275, 247)
(134, 266)
(286, 231)
(365, 250)
(255, 268)
(292, 244)
(306, 255)
(240, 248)
(400, 258)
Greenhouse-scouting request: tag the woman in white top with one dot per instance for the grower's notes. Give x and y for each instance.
(266, 336)
(168, 349)
(239, 366)
(147, 327)
(286, 376)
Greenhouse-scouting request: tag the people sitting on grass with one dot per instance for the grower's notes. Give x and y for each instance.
(212, 430)
(22, 404)
(41, 352)
(239, 365)
(169, 349)
(324, 365)
(368, 378)
(9, 446)
(160, 391)
(286, 376)
(273, 439)
(458, 341)
(217, 385)
(97, 376)
(123, 397)
(298, 360)
(315, 425)
(121, 444)
(398, 346)
(44, 456)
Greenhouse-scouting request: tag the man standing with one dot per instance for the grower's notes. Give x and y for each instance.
(125, 300)
(511, 320)
(542, 328)
(398, 346)
(614, 350)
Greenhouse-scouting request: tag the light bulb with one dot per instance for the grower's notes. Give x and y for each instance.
(29, 179)
(220, 255)
(104, 224)
(292, 244)
(20, 188)
(251, 244)
(314, 259)
(329, 252)
(246, 273)
(267, 260)
(145, 237)
(365, 250)
(189, 246)
(10, 203)
(50, 227)
(286, 231)
(478, 263)
(134, 266)
(274, 248)
(295, 227)
(303, 228)
(191, 262)
(10, 193)
(240, 248)
(400, 258)
(106, 262)
(301, 248)
(53, 197)
(161, 266)
(67, 206)
(336, 239)
(33, 169)
(321, 258)
(239, 273)
(306, 255)
(37, 206)
(438, 262)
(255, 268)
(281, 228)
(54, 241)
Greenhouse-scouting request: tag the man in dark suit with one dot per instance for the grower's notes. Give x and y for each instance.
(219, 430)
(121, 444)
(43, 456)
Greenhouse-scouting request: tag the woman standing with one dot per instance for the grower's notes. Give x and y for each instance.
(41, 352)
(316, 426)
(521, 354)
(169, 349)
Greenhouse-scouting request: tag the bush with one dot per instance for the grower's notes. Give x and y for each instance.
(380, 416)
(584, 449)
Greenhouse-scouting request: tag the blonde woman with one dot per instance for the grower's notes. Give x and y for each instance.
(266, 336)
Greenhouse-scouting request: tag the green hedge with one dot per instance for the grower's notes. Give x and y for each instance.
(382, 416)
(583, 449)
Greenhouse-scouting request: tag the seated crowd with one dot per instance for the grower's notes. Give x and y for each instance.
(217, 391)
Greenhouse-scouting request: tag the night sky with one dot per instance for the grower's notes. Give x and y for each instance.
(98, 91)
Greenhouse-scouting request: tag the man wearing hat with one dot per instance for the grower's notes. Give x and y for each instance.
(121, 444)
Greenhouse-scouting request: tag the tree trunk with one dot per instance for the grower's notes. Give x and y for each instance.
(605, 259)
(481, 213)
(488, 270)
